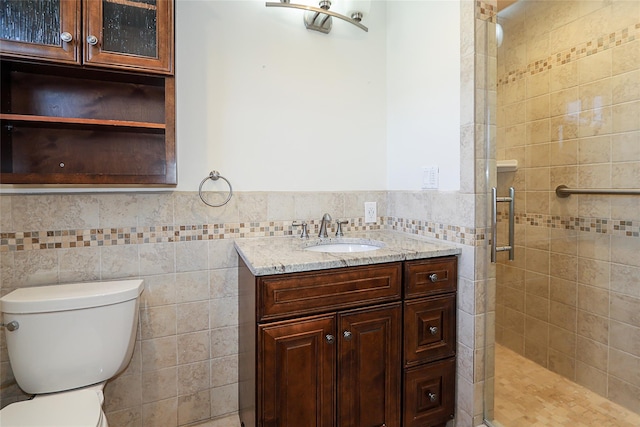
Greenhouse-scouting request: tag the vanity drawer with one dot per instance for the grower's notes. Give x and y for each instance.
(429, 329)
(429, 392)
(296, 294)
(430, 277)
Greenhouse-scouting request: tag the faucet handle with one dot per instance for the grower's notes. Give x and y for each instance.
(305, 232)
(339, 223)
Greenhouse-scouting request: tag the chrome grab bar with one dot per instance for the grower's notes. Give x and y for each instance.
(494, 223)
(564, 191)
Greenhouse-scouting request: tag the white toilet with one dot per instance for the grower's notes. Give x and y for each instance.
(64, 343)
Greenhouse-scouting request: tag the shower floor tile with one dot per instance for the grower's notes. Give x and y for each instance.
(527, 395)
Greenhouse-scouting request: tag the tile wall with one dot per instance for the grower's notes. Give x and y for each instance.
(184, 367)
(569, 112)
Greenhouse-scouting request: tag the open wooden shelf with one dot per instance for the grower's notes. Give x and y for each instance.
(71, 122)
(69, 126)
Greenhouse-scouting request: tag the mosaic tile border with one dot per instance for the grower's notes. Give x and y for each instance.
(614, 227)
(602, 43)
(486, 11)
(65, 239)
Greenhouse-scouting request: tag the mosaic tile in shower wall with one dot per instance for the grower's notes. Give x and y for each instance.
(616, 227)
(616, 38)
(486, 11)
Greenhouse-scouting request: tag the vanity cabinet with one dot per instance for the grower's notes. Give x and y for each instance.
(90, 97)
(349, 347)
(131, 35)
(338, 367)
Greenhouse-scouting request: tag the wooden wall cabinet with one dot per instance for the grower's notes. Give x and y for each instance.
(118, 34)
(77, 112)
(332, 348)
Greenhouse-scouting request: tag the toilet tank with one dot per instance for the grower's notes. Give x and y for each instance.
(71, 335)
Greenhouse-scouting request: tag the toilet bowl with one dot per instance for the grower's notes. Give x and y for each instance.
(64, 343)
(82, 408)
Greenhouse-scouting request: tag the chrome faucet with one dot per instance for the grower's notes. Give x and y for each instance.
(326, 219)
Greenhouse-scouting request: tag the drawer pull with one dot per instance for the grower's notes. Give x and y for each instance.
(347, 335)
(329, 338)
(433, 330)
(432, 396)
(433, 277)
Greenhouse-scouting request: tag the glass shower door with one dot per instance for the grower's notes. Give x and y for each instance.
(568, 111)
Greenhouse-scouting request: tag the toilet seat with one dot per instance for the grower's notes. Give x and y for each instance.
(80, 408)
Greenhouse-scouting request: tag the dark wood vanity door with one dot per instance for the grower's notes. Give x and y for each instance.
(429, 329)
(429, 394)
(369, 354)
(296, 373)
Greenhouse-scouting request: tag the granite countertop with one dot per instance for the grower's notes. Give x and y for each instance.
(279, 255)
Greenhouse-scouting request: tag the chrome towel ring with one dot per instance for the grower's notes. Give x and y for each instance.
(214, 176)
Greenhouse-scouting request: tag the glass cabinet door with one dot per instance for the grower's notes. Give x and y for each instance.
(134, 34)
(40, 29)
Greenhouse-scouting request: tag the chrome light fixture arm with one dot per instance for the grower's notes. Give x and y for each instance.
(317, 18)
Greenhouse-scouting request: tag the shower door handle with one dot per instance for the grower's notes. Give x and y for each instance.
(494, 223)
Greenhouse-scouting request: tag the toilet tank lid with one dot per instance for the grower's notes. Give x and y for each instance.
(45, 299)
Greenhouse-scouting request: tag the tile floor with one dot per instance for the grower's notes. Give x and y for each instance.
(230, 421)
(527, 395)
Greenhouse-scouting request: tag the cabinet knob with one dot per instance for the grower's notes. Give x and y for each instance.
(347, 335)
(329, 338)
(433, 330)
(433, 277)
(432, 396)
(66, 37)
(92, 40)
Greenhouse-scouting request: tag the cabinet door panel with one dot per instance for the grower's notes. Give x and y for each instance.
(429, 394)
(430, 329)
(368, 371)
(34, 29)
(296, 373)
(134, 34)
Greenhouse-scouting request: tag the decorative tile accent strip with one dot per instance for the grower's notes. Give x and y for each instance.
(615, 227)
(486, 11)
(64, 239)
(604, 42)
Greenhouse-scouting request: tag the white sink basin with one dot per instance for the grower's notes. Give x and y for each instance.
(345, 246)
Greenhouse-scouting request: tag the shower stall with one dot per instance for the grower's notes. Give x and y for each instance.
(563, 103)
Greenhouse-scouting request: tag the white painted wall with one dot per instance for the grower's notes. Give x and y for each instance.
(423, 92)
(275, 107)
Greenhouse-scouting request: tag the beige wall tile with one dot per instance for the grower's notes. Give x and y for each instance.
(595, 94)
(624, 393)
(193, 347)
(624, 308)
(624, 366)
(194, 407)
(192, 317)
(159, 353)
(594, 67)
(593, 300)
(162, 413)
(594, 150)
(625, 87)
(563, 316)
(158, 322)
(194, 377)
(592, 378)
(160, 384)
(625, 147)
(564, 76)
(626, 117)
(192, 286)
(191, 256)
(537, 108)
(626, 57)
(593, 327)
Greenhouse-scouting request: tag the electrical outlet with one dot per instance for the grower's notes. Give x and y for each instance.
(370, 212)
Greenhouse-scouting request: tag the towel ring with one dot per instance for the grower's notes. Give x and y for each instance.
(214, 176)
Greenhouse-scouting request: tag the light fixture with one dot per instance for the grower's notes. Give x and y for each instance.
(320, 18)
